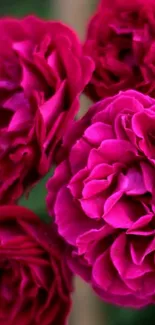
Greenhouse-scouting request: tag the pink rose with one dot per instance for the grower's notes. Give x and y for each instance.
(102, 198)
(121, 41)
(42, 73)
(35, 281)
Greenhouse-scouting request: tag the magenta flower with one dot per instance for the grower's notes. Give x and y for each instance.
(102, 198)
(121, 41)
(42, 73)
(36, 283)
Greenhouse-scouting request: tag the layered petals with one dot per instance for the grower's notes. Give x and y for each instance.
(42, 74)
(102, 198)
(35, 281)
(121, 40)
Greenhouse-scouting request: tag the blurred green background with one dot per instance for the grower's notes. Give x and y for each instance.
(104, 314)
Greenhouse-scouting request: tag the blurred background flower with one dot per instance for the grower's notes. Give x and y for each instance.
(36, 284)
(87, 309)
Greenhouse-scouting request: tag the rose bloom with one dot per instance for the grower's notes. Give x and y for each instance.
(102, 197)
(42, 73)
(121, 40)
(35, 280)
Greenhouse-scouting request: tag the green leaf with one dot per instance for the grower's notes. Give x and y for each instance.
(36, 200)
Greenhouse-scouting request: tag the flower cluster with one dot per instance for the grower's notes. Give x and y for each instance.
(42, 72)
(102, 194)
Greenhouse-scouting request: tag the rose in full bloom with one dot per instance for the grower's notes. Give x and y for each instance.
(35, 281)
(121, 40)
(102, 197)
(42, 73)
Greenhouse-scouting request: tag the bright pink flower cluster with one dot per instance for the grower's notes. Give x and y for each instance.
(121, 40)
(102, 197)
(102, 193)
(42, 73)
